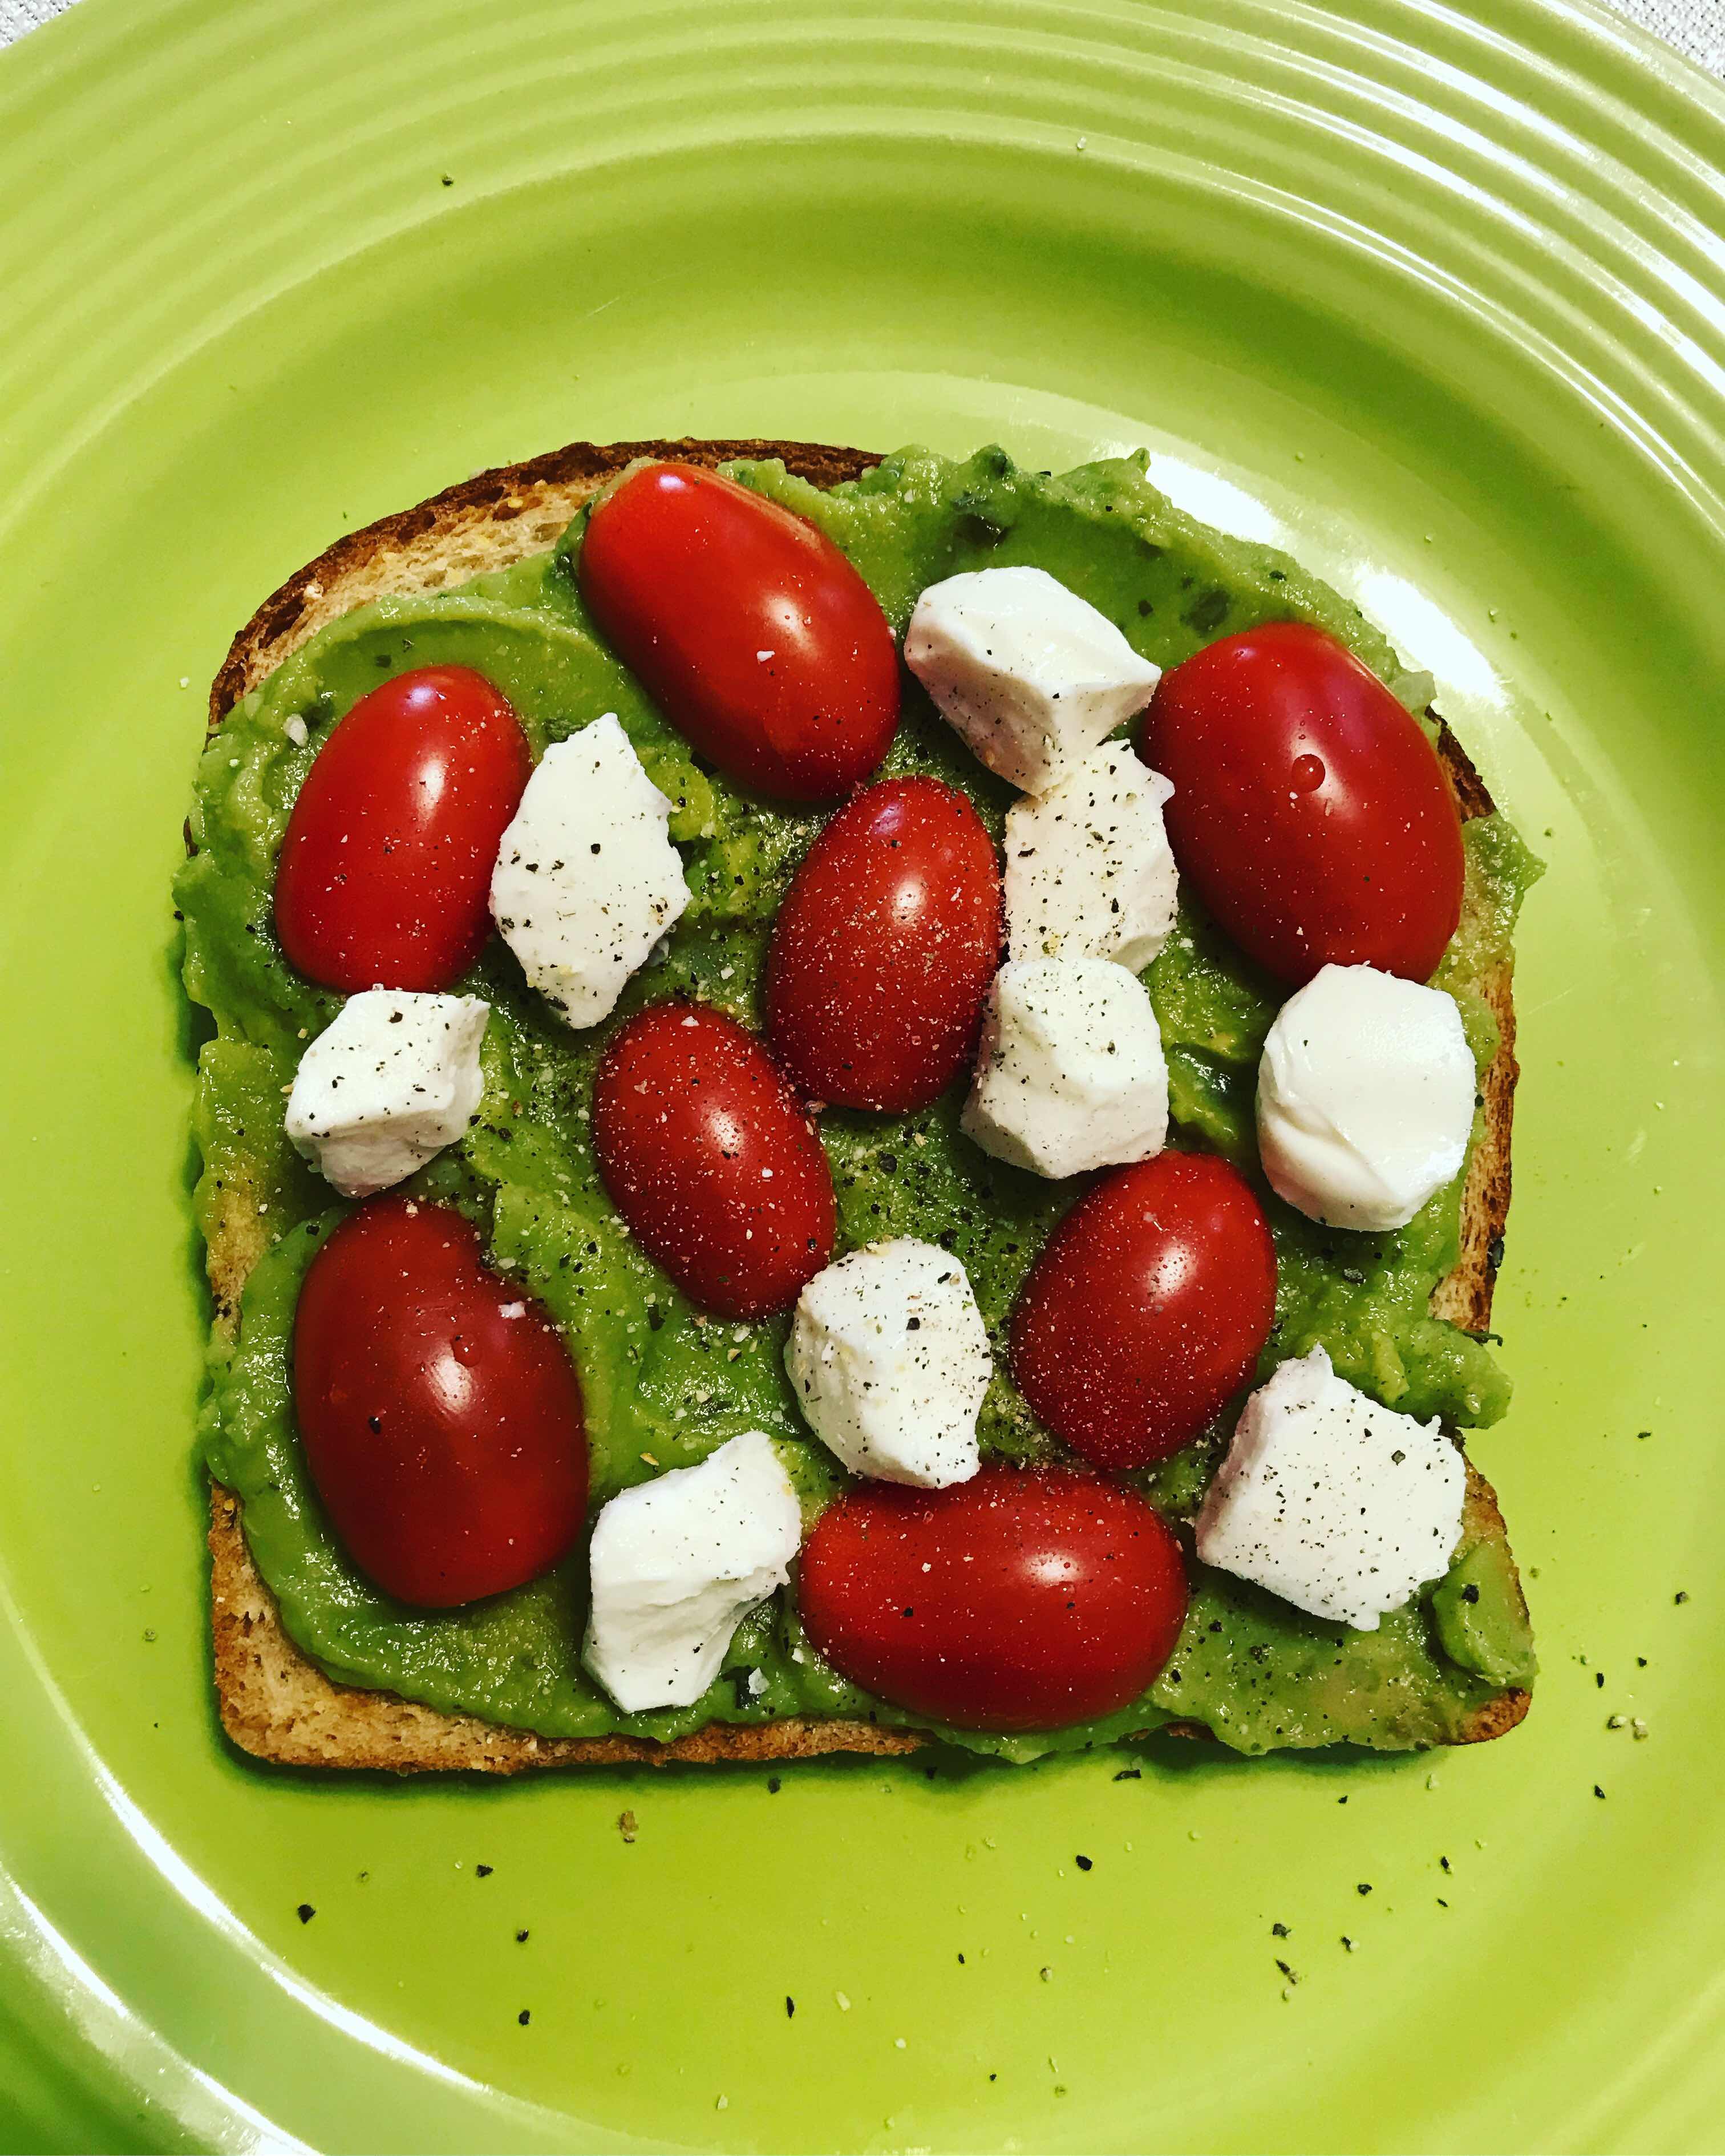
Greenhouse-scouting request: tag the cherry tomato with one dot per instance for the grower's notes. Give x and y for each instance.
(1147, 1309)
(440, 1412)
(884, 949)
(710, 1161)
(749, 629)
(1024, 1599)
(1309, 811)
(385, 873)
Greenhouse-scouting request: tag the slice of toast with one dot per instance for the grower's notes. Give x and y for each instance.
(275, 1702)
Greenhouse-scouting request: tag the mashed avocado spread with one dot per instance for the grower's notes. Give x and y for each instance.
(659, 1380)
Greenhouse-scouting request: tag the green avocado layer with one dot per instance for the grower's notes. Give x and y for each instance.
(658, 1379)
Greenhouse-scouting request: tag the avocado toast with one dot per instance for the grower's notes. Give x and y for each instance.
(380, 1686)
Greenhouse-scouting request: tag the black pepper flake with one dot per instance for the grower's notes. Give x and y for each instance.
(1130, 1774)
(525, 2016)
(790, 2007)
(521, 1938)
(306, 1912)
(1600, 1679)
(1680, 1598)
(1279, 1931)
(1444, 1862)
(961, 1961)
(482, 1871)
(1363, 1888)
(1082, 1862)
(1599, 1793)
(1471, 1594)
(774, 1785)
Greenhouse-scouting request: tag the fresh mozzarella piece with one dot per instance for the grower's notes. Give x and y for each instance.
(587, 878)
(1031, 675)
(1089, 873)
(1365, 1097)
(678, 1562)
(393, 1079)
(1339, 1506)
(1071, 1074)
(890, 1358)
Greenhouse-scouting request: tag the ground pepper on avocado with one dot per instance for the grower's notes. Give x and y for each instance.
(663, 1386)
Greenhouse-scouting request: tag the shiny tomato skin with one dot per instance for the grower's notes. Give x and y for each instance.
(1024, 1599)
(445, 1439)
(1309, 811)
(884, 949)
(1147, 1310)
(747, 627)
(385, 874)
(716, 1172)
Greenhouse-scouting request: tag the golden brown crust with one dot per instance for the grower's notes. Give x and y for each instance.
(464, 530)
(275, 1702)
(1464, 1297)
(278, 1705)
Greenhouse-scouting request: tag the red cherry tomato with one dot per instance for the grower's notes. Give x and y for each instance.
(710, 1162)
(1021, 1600)
(385, 873)
(884, 949)
(749, 629)
(1309, 811)
(1147, 1309)
(445, 1436)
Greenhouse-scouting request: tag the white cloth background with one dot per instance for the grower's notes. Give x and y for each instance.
(1694, 27)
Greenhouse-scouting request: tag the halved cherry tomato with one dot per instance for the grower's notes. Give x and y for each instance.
(749, 629)
(1309, 811)
(1024, 1599)
(884, 949)
(710, 1162)
(440, 1412)
(1147, 1309)
(385, 873)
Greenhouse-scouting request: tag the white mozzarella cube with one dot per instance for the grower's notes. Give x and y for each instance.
(1365, 1097)
(587, 878)
(390, 1082)
(677, 1563)
(1071, 1074)
(1030, 674)
(1340, 1505)
(1089, 872)
(888, 1356)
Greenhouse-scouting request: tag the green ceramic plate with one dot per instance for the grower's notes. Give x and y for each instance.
(1438, 296)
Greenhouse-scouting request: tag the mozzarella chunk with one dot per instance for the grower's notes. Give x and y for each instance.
(678, 1562)
(1030, 674)
(890, 1358)
(392, 1081)
(1071, 1074)
(587, 878)
(1340, 1505)
(1089, 873)
(1365, 1097)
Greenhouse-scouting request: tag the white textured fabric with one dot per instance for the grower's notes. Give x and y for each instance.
(17, 16)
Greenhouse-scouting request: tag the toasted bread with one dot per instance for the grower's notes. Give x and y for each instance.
(274, 1702)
